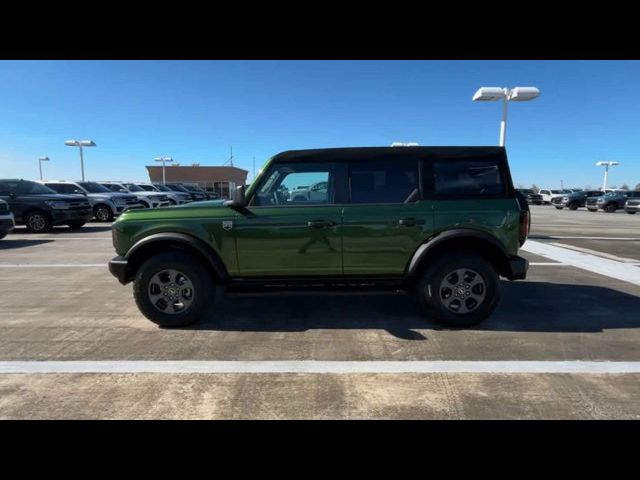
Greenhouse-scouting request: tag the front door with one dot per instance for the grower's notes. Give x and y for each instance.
(291, 227)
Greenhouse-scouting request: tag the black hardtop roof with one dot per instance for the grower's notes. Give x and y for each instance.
(353, 153)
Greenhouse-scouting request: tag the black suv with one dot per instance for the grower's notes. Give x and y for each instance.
(574, 200)
(196, 194)
(531, 196)
(40, 208)
(613, 201)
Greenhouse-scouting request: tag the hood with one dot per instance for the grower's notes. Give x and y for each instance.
(205, 203)
(208, 209)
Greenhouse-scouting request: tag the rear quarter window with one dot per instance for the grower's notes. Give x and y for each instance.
(469, 178)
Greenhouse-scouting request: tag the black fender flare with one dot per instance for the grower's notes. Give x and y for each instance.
(424, 249)
(207, 252)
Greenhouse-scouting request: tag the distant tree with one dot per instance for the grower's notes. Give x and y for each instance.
(638, 187)
(520, 185)
(588, 187)
(625, 186)
(535, 188)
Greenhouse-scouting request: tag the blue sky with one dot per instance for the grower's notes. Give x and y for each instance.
(194, 110)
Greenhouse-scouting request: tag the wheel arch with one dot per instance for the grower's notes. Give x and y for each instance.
(469, 240)
(162, 242)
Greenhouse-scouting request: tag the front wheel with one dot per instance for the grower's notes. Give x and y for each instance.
(75, 225)
(592, 209)
(174, 289)
(630, 212)
(38, 222)
(559, 208)
(3, 234)
(459, 290)
(610, 208)
(103, 213)
(573, 206)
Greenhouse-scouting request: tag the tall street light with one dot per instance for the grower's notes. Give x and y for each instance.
(606, 166)
(40, 160)
(163, 160)
(80, 144)
(517, 94)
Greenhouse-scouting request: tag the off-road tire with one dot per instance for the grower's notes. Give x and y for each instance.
(204, 289)
(433, 276)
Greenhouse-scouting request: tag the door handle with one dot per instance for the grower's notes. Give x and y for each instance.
(320, 223)
(410, 222)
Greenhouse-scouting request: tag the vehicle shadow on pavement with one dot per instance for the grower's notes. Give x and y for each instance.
(398, 314)
(524, 307)
(558, 307)
(8, 243)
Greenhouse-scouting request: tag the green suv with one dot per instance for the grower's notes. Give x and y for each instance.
(444, 222)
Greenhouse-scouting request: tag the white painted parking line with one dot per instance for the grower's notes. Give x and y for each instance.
(603, 266)
(39, 237)
(50, 265)
(596, 253)
(313, 366)
(548, 264)
(568, 237)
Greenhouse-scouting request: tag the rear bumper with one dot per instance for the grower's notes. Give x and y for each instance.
(517, 268)
(119, 268)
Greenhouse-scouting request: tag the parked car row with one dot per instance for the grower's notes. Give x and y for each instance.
(42, 205)
(595, 200)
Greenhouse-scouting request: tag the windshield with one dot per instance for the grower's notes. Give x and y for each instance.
(93, 187)
(163, 188)
(191, 188)
(557, 191)
(177, 188)
(148, 188)
(115, 188)
(33, 188)
(526, 191)
(133, 188)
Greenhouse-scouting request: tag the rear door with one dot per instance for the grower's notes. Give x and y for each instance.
(386, 218)
(281, 236)
(9, 193)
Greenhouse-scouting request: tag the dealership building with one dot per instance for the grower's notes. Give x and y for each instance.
(219, 179)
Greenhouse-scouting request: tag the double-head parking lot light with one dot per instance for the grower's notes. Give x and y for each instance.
(517, 94)
(80, 144)
(606, 166)
(40, 160)
(163, 160)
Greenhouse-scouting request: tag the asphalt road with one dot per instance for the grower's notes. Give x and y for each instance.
(579, 307)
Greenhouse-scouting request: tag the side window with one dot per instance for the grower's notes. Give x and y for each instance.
(55, 186)
(468, 178)
(388, 181)
(297, 184)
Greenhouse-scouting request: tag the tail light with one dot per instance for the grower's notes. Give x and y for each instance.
(525, 225)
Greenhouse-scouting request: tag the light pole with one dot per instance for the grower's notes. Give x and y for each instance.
(606, 166)
(163, 160)
(517, 94)
(80, 144)
(40, 160)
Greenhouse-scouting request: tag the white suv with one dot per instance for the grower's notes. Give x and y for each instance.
(147, 199)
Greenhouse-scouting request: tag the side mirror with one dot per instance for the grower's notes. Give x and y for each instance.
(238, 199)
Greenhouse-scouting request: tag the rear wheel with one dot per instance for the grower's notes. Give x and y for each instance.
(592, 209)
(38, 222)
(2, 235)
(631, 212)
(610, 208)
(459, 290)
(103, 213)
(559, 208)
(173, 289)
(573, 206)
